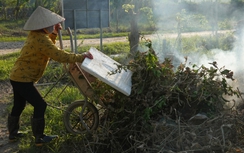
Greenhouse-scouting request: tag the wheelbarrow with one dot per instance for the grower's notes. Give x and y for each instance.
(82, 116)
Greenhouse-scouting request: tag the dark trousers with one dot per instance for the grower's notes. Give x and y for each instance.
(27, 92)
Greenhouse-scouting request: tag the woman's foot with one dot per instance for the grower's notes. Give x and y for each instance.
(45, 139)
(14, 138)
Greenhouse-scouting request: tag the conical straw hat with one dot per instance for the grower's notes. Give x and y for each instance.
(42, 18)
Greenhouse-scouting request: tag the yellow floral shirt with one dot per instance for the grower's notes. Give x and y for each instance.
(35, 54)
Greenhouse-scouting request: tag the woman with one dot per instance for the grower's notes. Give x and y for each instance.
(29, 68)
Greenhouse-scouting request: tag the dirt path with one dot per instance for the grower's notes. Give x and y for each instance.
(5, 147)
(9, 47)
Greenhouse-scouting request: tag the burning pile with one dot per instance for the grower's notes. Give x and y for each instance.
(169, 110)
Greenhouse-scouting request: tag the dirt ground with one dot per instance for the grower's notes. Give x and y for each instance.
(5, 147)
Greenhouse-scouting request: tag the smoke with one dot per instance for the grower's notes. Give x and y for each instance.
(231, 60)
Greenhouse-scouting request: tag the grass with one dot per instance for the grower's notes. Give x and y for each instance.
(22, 37)
(109, 49)
(11, 36)
(12, 31)
(58, 99)
(6, 63)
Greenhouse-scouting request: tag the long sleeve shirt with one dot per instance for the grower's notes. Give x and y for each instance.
(35, 54)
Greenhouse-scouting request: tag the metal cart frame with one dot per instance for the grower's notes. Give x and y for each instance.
(81, 116)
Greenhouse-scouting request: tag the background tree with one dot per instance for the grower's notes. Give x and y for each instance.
(3, 5)
(20, 4)
(115, 10)
(237, 8)
(134, 31)
(134, 10)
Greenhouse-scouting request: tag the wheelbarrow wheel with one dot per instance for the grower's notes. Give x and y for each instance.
(81, 117)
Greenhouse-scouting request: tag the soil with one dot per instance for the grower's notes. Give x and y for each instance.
(5, 146)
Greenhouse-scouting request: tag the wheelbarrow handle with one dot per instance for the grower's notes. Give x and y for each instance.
(60, 39)
(71, 39)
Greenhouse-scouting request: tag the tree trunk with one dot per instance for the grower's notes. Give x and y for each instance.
(117, 20)
(16, 9)
(16, 12)
(38, 3)
(134, 35)
(5, 13)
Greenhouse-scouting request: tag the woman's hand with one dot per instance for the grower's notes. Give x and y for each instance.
(88, 55)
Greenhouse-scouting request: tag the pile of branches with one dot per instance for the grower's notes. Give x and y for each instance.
(169, 110)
